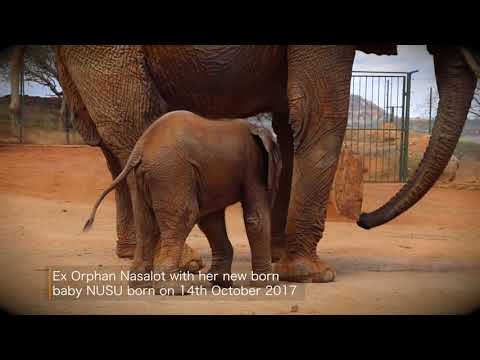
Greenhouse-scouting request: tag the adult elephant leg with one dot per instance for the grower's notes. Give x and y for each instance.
(116, 100)
(318, 93)
(280, 208)
(125, 224)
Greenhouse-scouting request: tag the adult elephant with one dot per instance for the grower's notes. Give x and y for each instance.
(117, 91)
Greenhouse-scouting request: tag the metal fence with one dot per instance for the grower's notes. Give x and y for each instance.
(378, 123)
(38, 122)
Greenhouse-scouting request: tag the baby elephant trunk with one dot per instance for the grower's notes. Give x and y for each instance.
(133, 161)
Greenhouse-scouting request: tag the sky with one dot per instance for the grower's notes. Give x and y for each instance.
(409, 58)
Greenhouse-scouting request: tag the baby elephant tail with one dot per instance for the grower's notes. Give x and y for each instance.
(133, 161)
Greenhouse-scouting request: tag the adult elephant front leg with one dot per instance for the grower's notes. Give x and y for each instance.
(318, 93)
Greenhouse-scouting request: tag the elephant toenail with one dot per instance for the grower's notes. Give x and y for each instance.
(329, 276)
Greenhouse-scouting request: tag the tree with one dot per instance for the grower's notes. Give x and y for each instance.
(473, 114)
(39, 66)
(15, 66)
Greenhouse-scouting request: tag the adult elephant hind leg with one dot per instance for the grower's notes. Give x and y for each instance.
(213, 226)
(114, 102)
(280, 209)
(318, 92)
(125, 225)
(85, 125)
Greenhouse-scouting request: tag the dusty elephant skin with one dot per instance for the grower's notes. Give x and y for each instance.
(117, 91)
(188, 170)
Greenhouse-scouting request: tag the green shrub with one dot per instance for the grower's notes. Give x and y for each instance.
(467, 149)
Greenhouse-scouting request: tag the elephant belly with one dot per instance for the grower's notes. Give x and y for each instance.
(220, 81)
(219, 191)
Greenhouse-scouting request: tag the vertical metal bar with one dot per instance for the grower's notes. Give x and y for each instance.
(377, 131)
(383, 125)
(397, 144)
(358, 114)
(430, 113)
(351, 119)
(388, 130)
(397, 135)
(402, 132)
(390, 151)
(407, 124)
(387, 105)
(370, 134)
(365, 121)
(22, 93)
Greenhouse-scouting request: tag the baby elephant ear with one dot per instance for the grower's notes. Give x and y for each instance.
(272, 148)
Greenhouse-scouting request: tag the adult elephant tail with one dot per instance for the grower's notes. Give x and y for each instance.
(134, 159)
(456, 82)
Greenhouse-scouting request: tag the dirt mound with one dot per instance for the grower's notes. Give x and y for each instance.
(467, 174)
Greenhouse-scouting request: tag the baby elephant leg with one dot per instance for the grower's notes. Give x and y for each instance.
(213, 226)
(256, 214)
(168, 259)
(174, 223)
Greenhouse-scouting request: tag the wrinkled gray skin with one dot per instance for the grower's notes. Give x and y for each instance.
(117, 91)
(188, 170)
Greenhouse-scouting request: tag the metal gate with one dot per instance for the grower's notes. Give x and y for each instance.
(378, 123)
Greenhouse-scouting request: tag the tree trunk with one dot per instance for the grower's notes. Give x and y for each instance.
(62, 114)
(16, 68)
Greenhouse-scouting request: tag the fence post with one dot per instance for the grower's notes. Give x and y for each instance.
(407, 124)
(387, 117)
(22, 96)
(430, 113)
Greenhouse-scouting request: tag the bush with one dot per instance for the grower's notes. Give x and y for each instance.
(467, 149)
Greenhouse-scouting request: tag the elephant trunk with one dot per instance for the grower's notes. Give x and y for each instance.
(456, 84)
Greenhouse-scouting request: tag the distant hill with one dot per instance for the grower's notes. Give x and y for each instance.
(362, 113)
(365, 113)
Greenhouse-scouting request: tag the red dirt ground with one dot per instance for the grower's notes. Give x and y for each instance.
(426, 261)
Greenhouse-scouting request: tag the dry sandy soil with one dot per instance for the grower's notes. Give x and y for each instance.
(425, 262)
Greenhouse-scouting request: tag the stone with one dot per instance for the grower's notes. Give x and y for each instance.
(450, 171)
(346, 195)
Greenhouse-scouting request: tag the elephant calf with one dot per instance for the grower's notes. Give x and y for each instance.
(188, 169)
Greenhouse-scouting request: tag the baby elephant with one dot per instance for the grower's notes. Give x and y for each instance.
(188, 169)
